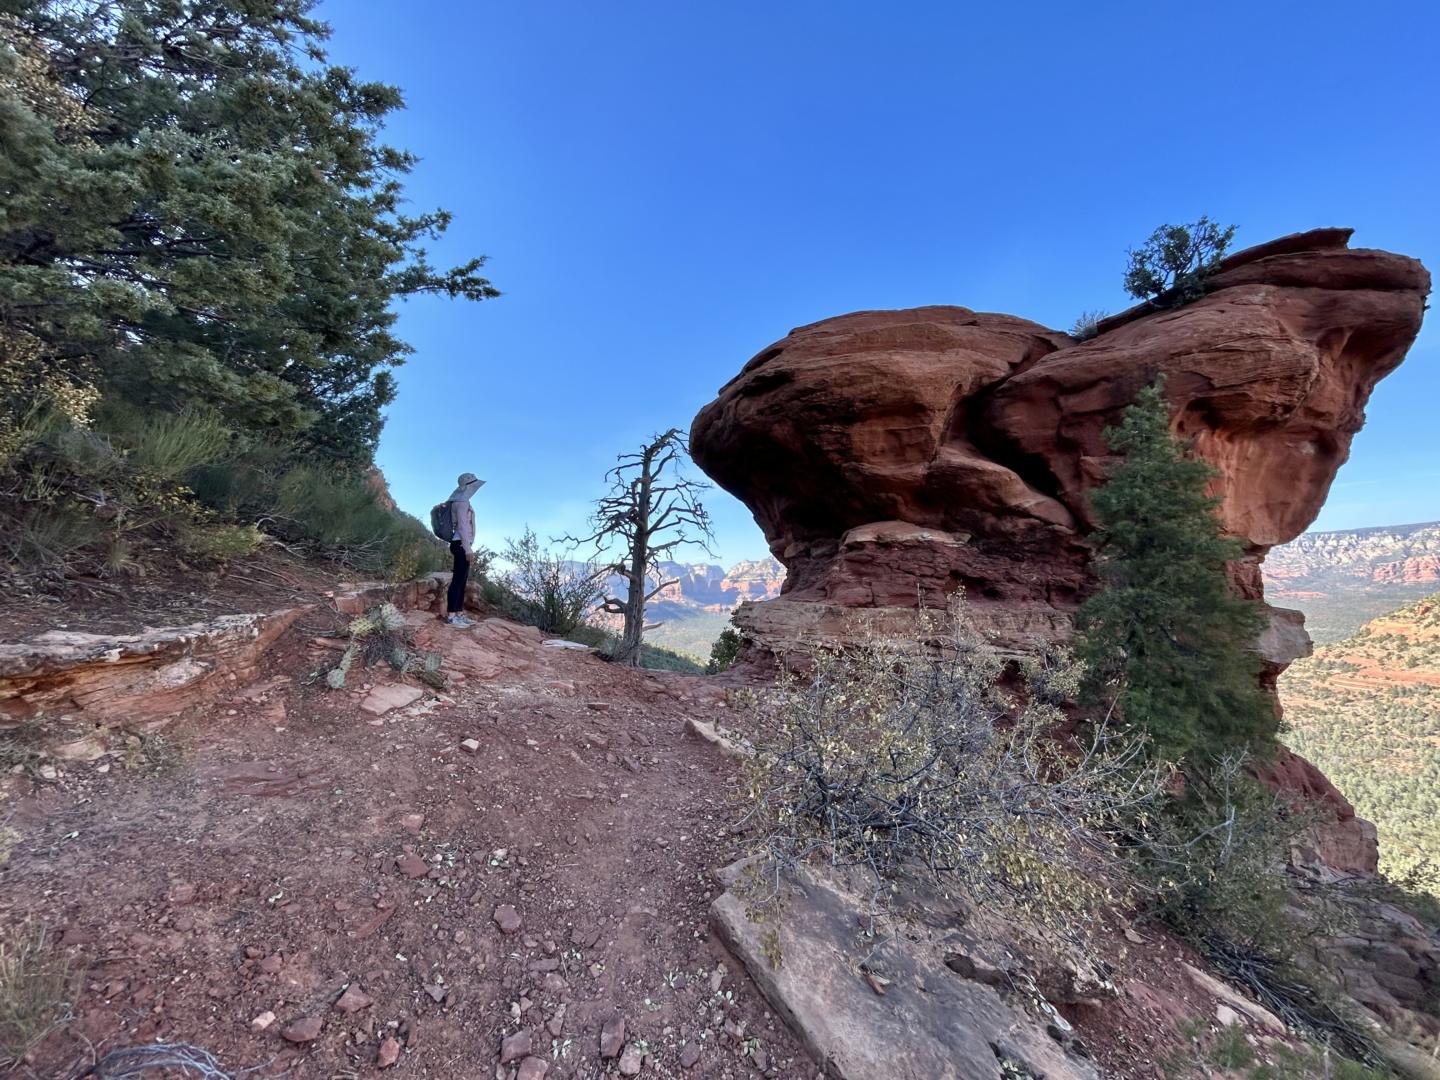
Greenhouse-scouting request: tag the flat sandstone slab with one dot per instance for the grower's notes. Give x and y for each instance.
(929, 1024)
(391, 696)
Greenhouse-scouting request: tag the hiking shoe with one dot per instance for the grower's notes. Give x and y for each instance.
(459, 620)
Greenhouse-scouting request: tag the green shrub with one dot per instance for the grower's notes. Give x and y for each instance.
(219, 542)
(1215, 860)
(168, 445)
(498, 595)
(594, 636)
(341, 518)
(555, 593)
(245, 485)
(726, 649)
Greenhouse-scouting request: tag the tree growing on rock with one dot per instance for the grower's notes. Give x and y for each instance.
(652, 509)
(1170, 268)
(1166, 636)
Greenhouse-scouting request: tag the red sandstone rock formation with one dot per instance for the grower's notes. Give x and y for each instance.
(375, 480)
(892, 457)
(895, 454)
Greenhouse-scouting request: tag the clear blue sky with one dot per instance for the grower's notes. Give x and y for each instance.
(665, 188)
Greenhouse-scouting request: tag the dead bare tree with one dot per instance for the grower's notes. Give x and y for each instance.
(651, 510)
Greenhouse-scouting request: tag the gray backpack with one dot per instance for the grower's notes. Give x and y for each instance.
(442, 521)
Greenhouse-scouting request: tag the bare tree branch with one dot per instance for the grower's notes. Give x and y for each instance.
(652, 509)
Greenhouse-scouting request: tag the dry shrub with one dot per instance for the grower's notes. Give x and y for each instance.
(154, 755)
(906, 754)
(167, 1059)
(22, 747)
(34, 984)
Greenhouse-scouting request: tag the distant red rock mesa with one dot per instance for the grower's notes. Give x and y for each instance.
(708, 587)
(893, 457)
(1411, 571)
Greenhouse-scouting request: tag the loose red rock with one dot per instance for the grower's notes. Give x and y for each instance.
(612, 1037)
(306, 1029)
(353, 1000)
(389, 1052)
(515, 1046)
(411, 865)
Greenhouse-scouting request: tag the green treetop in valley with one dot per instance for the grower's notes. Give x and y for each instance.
(1165, 632)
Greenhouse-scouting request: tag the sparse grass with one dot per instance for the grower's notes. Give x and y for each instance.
(1087, 324)
(154, 756)
(1228, 1051)
(20, 746)
(1231, 1050)
(42, 535)
(9, 838)
(34, 983)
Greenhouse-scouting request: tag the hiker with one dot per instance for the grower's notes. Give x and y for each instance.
(462, 542)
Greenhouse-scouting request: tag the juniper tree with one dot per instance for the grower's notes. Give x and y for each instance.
(196, 209)
(1171, 266)
(1166, 634)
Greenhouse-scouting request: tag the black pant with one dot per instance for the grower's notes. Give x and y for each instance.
(455, 598)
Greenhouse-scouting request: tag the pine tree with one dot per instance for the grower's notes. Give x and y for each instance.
(196, 210)
(1165, 633)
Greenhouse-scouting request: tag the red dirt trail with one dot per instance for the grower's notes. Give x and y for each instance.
(260, 875)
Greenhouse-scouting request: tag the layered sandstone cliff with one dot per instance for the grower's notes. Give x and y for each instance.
(893, 457)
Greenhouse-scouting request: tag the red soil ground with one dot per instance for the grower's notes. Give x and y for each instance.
(260, 875)
(298, 846)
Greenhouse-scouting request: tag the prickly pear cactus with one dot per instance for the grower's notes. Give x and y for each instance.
(382, 633)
